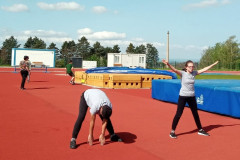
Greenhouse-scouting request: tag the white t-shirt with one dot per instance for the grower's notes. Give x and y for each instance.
(95, 98)
(187, 82)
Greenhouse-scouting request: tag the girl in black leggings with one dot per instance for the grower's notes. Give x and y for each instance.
(187, 95)
(98, 102)
(24, 66)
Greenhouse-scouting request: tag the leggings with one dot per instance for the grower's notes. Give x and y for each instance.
(182, 100)
(83, 107)
(24, 74)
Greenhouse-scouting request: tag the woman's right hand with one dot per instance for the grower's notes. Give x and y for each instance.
(164, 61)
(90, 140)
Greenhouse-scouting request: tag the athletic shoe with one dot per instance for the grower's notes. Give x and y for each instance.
(202, 132)
(173, 135)
(115, 138)
(23, 88)
(73, 144)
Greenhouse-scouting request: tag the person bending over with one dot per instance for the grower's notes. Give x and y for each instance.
(98, 102)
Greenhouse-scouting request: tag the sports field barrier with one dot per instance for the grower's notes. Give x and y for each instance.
(45, 69)
(98, 80)
(122, 81)
(80, 77)
(147, 79)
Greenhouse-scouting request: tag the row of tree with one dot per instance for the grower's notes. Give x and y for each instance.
(227, 53)
(82, 48)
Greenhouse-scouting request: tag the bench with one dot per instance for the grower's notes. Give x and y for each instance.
(117, 65)
(38, 65)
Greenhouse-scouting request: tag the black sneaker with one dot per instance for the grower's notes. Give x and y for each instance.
(173, 135)
(115, 138)
(73, 144)
(202, 132)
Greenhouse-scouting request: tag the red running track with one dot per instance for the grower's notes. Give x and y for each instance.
(37, 124)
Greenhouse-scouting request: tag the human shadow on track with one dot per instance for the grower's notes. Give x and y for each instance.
(125, 136)
(208, 128)
(39, 88)
(37, 81)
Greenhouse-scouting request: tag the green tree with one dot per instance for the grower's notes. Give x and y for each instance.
(151, 56)
(68, 50)
(35, 43)
(108, 50)
(7, 46)
(130, 48)
(83, 48)
(116, 49)
(140, 49)
(101, 53)
(228, 53)
(53, 46)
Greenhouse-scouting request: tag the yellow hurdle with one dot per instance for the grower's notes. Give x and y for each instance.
(98, 80)
(147, 79)
(80, 77)
(124, 81)
(105, 80)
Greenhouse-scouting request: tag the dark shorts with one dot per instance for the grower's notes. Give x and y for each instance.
(71, 74)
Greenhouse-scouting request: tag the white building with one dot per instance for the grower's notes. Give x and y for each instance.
(126, 60)
(44, 56)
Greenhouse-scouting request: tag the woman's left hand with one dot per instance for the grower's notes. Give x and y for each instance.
(102, 139)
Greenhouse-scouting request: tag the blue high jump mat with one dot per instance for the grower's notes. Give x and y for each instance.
(217, 96)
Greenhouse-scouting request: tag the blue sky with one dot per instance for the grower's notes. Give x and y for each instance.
(194, 25)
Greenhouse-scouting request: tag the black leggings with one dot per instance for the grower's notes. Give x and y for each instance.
(24, 74)
(182, 100)
(83, 107)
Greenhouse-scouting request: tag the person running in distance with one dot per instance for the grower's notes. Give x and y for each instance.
(24, 66)
(69, 68)
(98, 102)
(29, 70)
(187, 94)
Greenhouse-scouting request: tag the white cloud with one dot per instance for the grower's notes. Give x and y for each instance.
(104, 35)
(115, 12)
(44, 33)
(47, 36)
(138, 39)
(15, 8)
(225, 2)
(107, 35)
(60, 6)
(107, 39)
(206, 3)
(84, 31)
(99, 9)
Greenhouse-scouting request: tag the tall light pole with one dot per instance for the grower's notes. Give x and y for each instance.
(167, 57)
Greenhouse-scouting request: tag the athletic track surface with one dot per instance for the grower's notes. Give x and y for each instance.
(37, 123)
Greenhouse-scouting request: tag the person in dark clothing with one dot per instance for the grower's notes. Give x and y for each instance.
(69, 71)
(25, 68)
